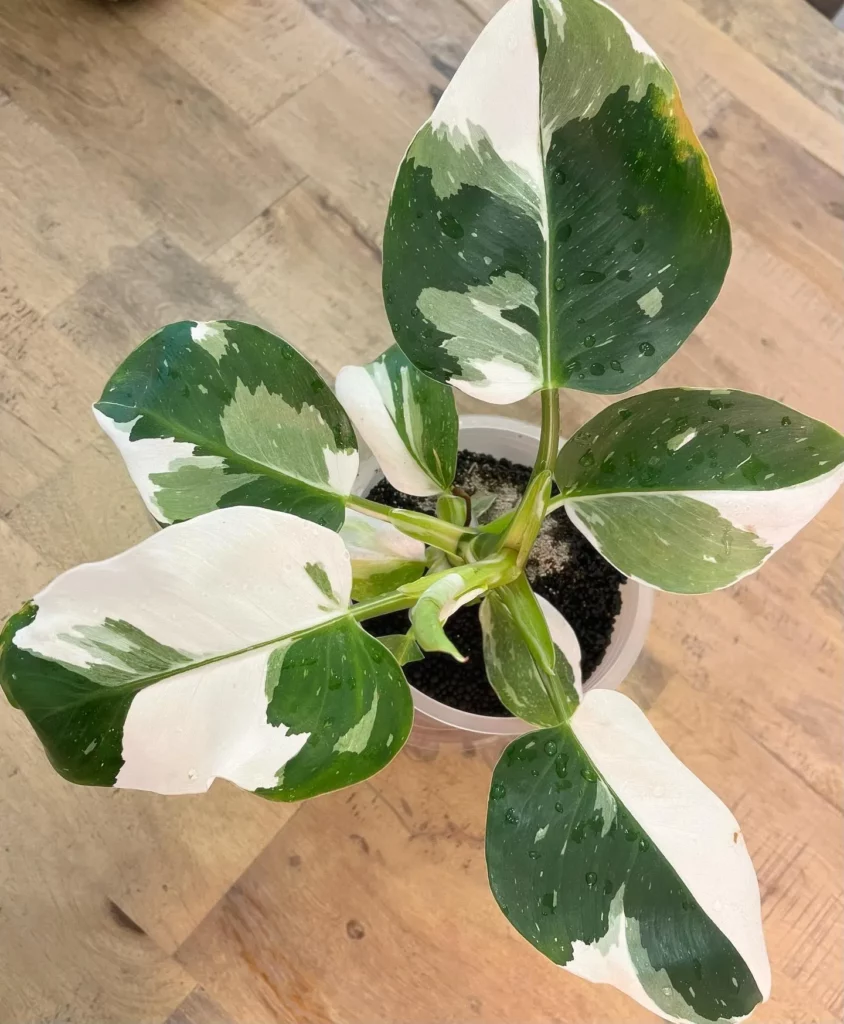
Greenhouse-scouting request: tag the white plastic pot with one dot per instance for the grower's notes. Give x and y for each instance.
(435, 722)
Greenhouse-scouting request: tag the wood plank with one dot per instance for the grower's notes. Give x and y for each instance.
(252, 56)
(794, 40)
(153, 132)
(143, 288)
(692, 46)
(199, 1008)
(50, 244)
(321, 129)
(780, 195)
(307, 253)
(373, 906)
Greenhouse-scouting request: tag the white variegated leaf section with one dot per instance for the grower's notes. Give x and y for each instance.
(207, 587)
(368, 400)
(151, 455)
(496, 90)
(774, 516)
(370, 541)
(692, 828)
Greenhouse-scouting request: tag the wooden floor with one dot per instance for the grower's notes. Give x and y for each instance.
(163, 159)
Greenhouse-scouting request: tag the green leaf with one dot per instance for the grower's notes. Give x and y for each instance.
(220, 648)
(556, 221)
(407, 419)
(383, 558)
(528, 658)
(403, 647)
(345, 693)
(482, 503)
(439, 597)
(452, 509)
(436, 605)
(613, 860)
(211, 415)
(690, 489)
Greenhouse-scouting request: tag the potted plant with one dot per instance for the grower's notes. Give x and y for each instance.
(554, 225)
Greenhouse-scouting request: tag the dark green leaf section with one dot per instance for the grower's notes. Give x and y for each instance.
(522, 685)
(242, 396)
(347, 691)
(461, 242)
(639, 240)
(567, 862)
(426, 416)
(78, 719)
(695, 439)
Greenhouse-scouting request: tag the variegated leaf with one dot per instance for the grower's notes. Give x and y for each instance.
(617, 863)
(690, 489)
(211, 415)
(403, 647)
(407, 419)
(435, 606)
(220, 648)
(511, 634)
(439, 595)
(556, 221)
(383, 558)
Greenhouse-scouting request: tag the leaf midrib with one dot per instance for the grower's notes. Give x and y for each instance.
(213, 448)
(105, 692)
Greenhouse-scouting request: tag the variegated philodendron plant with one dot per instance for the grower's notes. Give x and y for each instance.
(555, 224)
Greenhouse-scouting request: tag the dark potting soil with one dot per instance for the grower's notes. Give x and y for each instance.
(564, 568)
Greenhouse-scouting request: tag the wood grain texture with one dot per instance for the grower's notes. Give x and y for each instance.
(164, 159)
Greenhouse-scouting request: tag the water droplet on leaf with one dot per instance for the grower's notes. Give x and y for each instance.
(591, 277)
(589, 341)
(754, 469)
(591, 879)
(450, 226)
(511, 817)
(550, 748)
(587, 459)
(646, 348)
(638, 245)
(597, 369)
(498, 791)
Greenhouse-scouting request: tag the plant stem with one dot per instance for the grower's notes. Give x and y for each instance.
(437, 532)
(549, 440)
(382, 605)
(369, 508)
(554, 504)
